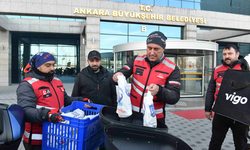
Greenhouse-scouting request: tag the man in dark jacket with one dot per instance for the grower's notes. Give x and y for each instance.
(155, 73)
(93, 82)
(221, 124)
(41, 95)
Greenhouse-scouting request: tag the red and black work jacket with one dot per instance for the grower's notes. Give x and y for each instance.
(143, 76)
(49, 95)
(218, 76)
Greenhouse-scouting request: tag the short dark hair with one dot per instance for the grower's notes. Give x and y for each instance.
(232, 46)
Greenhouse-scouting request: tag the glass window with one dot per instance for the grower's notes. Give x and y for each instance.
(197, 6)
(66, 61)
(106, 50)
(66, 41)
(48, 18)
(132, 1)
(197, 0)
(223, 9)
(66, 50)
(175, 3)
(34, 49)
(33, 40)
(108, 41)
(66, 19)
(172, 38)
(48, 48)
(136, 38)
(235, 3)
(174, 32)
(161, 2)
(48, 41)
(244, 11)
(13, 16)
(213, 2)
(189, 5)
(30, 17)
(224, 2)
(203, 6)
(211, 7)
(81, 20)
(136, 29)
(235, 10)
(117, 28)
(147, 2)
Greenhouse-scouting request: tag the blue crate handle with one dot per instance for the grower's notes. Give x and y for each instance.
(81, 105)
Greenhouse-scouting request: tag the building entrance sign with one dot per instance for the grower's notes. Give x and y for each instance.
(146, 13)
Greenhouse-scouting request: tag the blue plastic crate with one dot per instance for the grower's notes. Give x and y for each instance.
(79, 134)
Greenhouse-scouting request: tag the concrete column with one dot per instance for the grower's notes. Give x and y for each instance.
(92, 39)
(5, 57)
(190, 32)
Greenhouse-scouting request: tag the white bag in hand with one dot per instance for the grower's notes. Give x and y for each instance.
(149, 117)
(124, 107)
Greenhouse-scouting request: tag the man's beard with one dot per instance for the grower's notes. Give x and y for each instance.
(95, 68)
(51, 72)
(230, 63)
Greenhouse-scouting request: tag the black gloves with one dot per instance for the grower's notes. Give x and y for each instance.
(54, 116)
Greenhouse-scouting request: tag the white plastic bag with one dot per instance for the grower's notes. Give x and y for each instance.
(124, 107)
(149, 117)
(78, 113)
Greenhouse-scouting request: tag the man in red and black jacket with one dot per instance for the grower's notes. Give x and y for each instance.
(41, 95)
(220, 123)
(155, 73)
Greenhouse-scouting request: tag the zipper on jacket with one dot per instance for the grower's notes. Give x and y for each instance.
(56, 95)
(97, 84)
(144, 89)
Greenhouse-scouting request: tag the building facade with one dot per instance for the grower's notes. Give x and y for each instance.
(69, 29)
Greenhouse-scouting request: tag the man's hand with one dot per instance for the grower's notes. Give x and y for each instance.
(54, 116)
(115, 79)
(87, 100)
(209, 115)
(154, 89)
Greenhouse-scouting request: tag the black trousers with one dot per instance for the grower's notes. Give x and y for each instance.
(28, 146)
(220, 127)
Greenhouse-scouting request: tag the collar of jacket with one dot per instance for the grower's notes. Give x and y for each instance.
(35, 75)
(88, 71)
(152, 64)
(235, 63)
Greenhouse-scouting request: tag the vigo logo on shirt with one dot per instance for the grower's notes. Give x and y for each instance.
(235, 99)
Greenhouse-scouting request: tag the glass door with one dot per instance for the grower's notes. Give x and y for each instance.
(191, 68)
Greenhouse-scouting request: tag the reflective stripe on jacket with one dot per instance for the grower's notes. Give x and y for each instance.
(49, 95)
